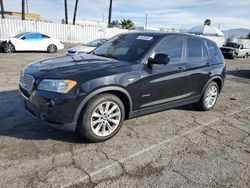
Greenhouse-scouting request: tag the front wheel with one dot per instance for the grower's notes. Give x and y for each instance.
(52, 48)
(8, 47)
(102, 118)
(209, 97)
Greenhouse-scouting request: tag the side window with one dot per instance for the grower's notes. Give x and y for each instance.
(215, 52)
(194, 49)
(171, 46)
(33, 36)
(45, 36)
(211, 49)
(204, 51)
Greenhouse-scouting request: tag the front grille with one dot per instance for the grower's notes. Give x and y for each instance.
(26, 82)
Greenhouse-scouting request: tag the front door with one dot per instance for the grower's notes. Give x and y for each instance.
(165, 83)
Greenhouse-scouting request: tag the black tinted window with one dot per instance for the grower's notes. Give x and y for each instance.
(171, 46)
(194, 47)
(211, 49)
(204, 51)
(45, 36)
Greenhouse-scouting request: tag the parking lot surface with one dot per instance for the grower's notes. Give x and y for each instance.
(175, 148)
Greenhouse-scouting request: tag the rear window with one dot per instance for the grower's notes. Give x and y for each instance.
(45, 36)
(194, 50)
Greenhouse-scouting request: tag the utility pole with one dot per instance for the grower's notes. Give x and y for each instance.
(146, 21)
(2, 9)
(74, 18)
(110, 13)
(23, 9)
(66, 11)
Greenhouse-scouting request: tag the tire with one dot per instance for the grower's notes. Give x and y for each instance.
(93, 125)
(52, 48)
(8, 48)
(209, 97)
(233, 56)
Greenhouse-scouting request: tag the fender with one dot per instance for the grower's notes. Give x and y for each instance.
(214, 77)
(98, 91)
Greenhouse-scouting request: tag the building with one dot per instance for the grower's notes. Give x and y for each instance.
(18, 15)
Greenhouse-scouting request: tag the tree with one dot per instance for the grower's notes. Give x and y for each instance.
(2, 9)
(207, 22)
(127, 24)
(115, 23)
(74, 18)
(66, 11)
(248, 36)
(23, 9)
(110, 13)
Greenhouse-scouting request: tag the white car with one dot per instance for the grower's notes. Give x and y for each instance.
(31, 41)
(86, 48)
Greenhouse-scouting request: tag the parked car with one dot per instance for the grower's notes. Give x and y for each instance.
(86, 48)
(233, 50)
(31, 41)
(131, 75)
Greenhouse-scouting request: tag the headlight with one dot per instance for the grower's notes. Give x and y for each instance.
(59, 86)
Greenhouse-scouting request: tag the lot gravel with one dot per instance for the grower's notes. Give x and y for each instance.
(175, 148)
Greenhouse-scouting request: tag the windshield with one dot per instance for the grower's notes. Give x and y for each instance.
(96, 42)
(126, 47)
(234, 45)
(19, 35)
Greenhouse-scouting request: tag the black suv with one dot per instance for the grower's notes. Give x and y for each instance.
(131, 75)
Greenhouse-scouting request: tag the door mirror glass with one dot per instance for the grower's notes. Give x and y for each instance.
(159, 59)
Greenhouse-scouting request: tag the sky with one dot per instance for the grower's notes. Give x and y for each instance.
(177, 14)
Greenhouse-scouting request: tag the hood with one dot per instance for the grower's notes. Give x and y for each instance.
(70, 66)
(82, 48)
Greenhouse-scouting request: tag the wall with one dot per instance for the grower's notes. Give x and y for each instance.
(67, 33)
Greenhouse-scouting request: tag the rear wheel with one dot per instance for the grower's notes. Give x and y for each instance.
(102, 118)
(8, 47)
(209, 97)
(52, 48)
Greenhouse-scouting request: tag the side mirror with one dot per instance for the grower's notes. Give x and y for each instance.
(159, 59)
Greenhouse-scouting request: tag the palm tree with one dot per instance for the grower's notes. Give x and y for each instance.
(2, 8)
(66, 11)
(207, 22)
(74, 18)
(127, 24)
(115, 23)
(110, 13)
(23, 9)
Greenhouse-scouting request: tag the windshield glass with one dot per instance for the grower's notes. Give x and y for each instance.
(126, 47)
(96, 42)
(19, 35)
(234, 45)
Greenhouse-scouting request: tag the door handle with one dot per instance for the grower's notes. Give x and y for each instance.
(179, 69)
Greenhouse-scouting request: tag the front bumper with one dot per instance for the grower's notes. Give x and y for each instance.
(56, 110)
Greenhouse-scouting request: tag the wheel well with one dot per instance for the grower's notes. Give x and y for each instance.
(123, 97)
(218, 82)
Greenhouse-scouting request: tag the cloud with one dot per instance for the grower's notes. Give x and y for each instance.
(170, 13)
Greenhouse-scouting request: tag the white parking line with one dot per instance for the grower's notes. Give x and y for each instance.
(151, 148)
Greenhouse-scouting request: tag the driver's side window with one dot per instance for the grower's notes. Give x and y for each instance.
(171, 46)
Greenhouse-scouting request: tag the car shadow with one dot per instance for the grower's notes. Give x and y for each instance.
(242, 73)
(17, 123)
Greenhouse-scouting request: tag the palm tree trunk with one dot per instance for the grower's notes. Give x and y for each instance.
(74, 18)
(2, 9)
(66, 11)
(23, 9)
(110, 13)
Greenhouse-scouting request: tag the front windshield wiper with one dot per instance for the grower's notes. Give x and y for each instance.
(106, 55)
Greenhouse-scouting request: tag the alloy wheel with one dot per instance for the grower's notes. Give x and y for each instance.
(105, 118)
(211, 96)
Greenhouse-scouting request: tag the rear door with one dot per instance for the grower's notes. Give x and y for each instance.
(197, 61)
